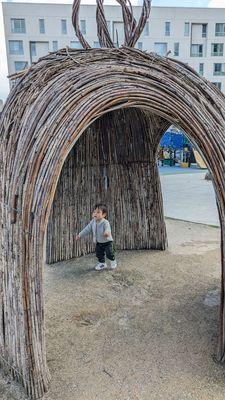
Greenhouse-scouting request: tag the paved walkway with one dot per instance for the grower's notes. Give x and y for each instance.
(167, 170)
(188, 196)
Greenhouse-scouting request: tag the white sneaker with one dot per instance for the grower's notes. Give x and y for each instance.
(100, 266)
(113, 264)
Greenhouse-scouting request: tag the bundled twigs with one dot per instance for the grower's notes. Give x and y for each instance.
(75, 22)
(129, 21)
(132, 30)
(146, 8)
(48, 110)
(103, 32)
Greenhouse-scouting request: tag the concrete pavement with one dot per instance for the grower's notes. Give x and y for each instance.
(188, 196)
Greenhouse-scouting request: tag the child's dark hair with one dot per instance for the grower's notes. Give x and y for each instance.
(101, 207)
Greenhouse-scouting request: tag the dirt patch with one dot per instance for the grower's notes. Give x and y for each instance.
(146, 331)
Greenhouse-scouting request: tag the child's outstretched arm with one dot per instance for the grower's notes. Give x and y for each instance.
(85, 231)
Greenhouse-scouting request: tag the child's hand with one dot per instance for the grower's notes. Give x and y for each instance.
(106, 234)
(77, 237)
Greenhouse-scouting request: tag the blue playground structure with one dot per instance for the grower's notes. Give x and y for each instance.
(174, 140)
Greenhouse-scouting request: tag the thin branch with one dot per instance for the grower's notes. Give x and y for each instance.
(75, 22)
(102, 28)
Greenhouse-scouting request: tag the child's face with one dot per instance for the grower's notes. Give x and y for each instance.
(99, 214)
(94, 214)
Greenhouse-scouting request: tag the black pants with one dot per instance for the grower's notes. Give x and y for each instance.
(103, 249)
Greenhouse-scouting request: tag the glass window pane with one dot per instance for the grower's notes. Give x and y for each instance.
(204, 30)
(219, 69)
(218, 84)
(18, 25)
(15, 46)
(146, 29)
(220, 29)
(167, 28)
(75, 44)
(201, 68)
(109, 26)
(20, 65)
(33, 49)
(160, 48)
(217, 49)
(186, 28)
(54, 45)
(196, 50)
(83, 26)
(176, 49)
(41, 25)
(63, 27)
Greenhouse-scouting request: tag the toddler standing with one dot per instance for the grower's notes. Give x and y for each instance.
(102, 237)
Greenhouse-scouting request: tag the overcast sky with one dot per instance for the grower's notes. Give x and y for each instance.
(4, 87)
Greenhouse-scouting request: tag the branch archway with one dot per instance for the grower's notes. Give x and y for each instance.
(46, 113)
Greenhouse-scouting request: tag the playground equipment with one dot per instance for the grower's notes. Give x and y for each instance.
(199, 160)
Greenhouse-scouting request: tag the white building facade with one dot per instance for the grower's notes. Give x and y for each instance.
(195, 36)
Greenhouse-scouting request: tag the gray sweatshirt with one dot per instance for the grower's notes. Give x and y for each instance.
(98, 229)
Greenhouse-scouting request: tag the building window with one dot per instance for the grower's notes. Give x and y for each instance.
(219, 69)
(83, 26)
(146, 29)
(204, 30)
(196, 50)
(139, 45)
(218, 84)
(63, 27)
(18, 25)
(186, 29)
(33, 49)
(220, 30)
(41, 26)
(54, 45)
(75, 44)
(20, 65)
(15, 47)
(217, 49)
(160, 48)
(201, 69)
(109, 26)
(96, 45)
(176, 49)
(167, 28)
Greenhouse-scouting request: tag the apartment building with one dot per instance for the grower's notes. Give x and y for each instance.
(195, 36)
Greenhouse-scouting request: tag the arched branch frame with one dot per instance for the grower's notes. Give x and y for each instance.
(45, 114)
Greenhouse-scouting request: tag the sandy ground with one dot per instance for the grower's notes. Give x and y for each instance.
(146, 331)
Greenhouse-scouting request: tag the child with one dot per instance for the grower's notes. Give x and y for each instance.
(101, 231)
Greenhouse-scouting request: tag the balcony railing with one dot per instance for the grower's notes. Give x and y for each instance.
(199, 54)
(217, 53)
(218, 73)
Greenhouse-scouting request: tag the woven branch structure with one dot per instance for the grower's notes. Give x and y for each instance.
(113, 160)
(45, 129)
